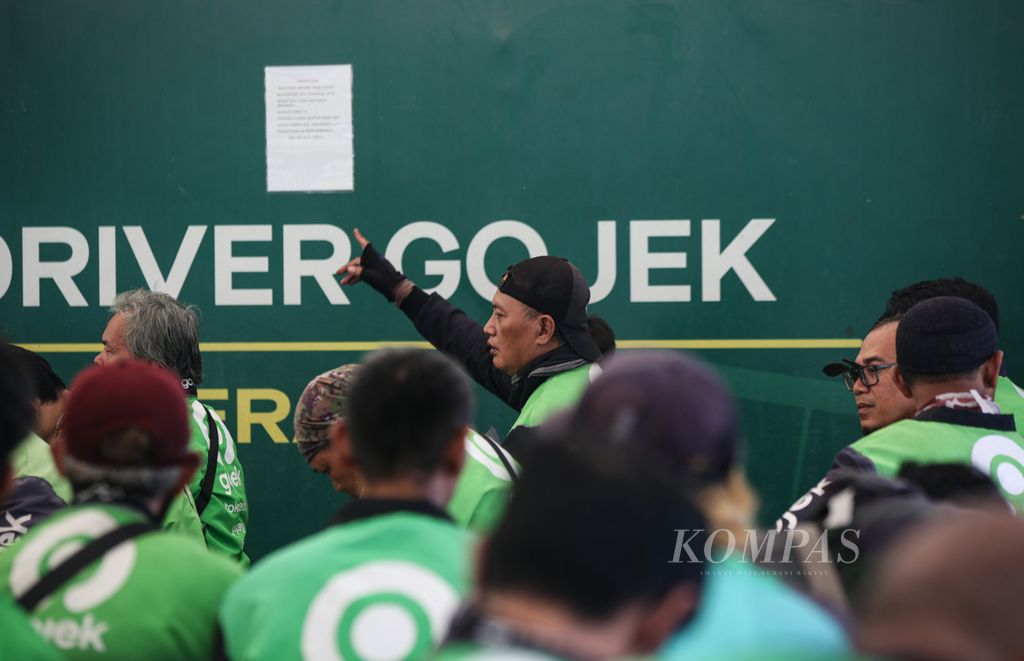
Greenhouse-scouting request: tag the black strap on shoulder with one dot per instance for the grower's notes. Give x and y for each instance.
(84, 557)
(501, 454)
(206, 489)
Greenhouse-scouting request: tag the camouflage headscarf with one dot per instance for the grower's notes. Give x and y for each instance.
(322, 403)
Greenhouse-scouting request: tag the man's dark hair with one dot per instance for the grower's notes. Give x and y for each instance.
(603, 335)
(549, 543)
(404, 408)
(45, 383)
(902, 300)
(16, 412)
(913, 378)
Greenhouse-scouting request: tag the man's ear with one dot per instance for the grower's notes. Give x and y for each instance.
(665, 617)
(545, 329)
(57, 449)
(342, 454)
(901, 384)
(990, 370)
(455, 453)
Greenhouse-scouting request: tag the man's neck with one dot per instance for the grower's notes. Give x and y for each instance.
(437, 491)
(555, 628)
(539, 359)
(924, 393)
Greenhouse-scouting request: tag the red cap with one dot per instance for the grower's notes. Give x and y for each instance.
(126, 395)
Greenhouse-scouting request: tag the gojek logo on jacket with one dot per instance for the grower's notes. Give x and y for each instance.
(76, 627)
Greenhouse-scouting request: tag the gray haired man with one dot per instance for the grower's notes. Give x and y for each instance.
(159, 329)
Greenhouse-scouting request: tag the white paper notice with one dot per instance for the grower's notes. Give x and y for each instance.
(309, 128)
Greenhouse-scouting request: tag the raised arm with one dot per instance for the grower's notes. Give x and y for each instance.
(442, 324)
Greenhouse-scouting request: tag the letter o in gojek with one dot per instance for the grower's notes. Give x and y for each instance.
(1003, 460)
(391, 610)
(58, 542)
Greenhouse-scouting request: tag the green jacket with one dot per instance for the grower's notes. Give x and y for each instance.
(226, 515)
(383, 582)
(19, 640)
(484, 487)
(33, 459)
(152, 597)
(1010, 399)
(183, 519)
(990, 442)
(556, 394)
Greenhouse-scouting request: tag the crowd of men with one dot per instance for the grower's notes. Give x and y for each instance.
(613, 520)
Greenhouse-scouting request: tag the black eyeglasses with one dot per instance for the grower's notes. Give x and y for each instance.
(868, 374)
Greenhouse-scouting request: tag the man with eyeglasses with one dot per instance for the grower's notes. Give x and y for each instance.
(870, 378)
(948, 364)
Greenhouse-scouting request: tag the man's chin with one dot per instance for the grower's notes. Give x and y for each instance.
(501, 366)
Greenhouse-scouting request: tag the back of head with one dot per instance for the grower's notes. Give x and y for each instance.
(16, 412)
(902, 300)
(864, 514)
(951, 591)
(47, 385)
(550, 546)
(667, 403)
(944, 338)
(126, 430)
(404, 408)
(162, 330)
(603, 335)
(957, 484)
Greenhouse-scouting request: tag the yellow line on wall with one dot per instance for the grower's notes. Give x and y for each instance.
(280, 347)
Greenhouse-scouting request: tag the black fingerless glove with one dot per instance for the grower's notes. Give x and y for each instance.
(379, 273)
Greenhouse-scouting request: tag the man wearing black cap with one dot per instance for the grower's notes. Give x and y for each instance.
(535, 352)
(948, 363)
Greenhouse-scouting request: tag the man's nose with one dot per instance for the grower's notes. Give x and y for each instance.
(98, 360)
(858, 386)
(489, 328)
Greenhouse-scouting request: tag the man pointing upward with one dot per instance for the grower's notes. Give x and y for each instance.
(535, 352)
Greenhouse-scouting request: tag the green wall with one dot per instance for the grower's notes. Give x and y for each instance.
(884, 140)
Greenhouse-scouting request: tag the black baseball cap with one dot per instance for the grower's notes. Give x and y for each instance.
(553, 286)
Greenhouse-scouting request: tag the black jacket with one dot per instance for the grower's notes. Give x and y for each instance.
(455, 334)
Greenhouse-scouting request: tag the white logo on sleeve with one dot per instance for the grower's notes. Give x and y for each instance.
(1003, 460)
(380, 611)
(53, 545)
